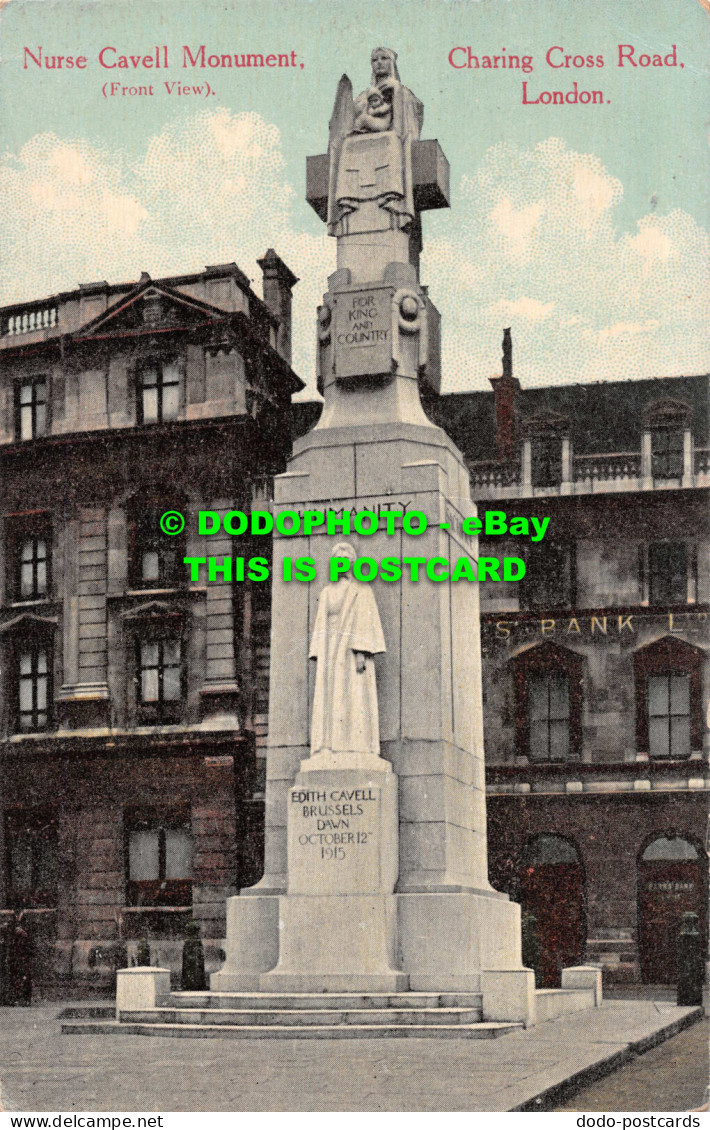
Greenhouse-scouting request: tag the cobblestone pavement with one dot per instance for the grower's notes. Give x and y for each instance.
(40, 1069)
(673, 1076)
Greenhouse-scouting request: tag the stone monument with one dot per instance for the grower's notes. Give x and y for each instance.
(376, 863)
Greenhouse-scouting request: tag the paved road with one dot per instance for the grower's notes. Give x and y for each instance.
(670, 1077)
(40, 1069)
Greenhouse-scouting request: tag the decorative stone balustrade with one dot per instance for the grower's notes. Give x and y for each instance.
(28, 321)
(619, 465)
(491, 473)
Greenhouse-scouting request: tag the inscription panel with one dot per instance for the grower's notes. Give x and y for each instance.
(333, 841)
(342, 835)
(363, 332)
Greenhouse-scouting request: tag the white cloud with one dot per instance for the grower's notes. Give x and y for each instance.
(530, 242)
(652, 243)
(529, 308)
(595, 191)
(627, 328)
(209, 190)
(516, 224)
(537, 245)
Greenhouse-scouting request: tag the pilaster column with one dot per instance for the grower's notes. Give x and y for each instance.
(220, 691)
(84, 697)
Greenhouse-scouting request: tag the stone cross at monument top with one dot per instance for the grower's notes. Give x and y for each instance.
(377, 326)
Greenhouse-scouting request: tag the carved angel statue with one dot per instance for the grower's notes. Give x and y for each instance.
(361, 169)
(346, 636)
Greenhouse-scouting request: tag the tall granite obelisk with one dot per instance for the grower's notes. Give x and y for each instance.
(376, 863)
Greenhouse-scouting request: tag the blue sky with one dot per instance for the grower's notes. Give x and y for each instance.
(583, 227)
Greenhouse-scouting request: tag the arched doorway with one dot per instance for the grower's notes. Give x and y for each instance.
(552, 888)
(671, 881)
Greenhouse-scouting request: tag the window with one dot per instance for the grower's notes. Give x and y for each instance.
(670, 849)
(160, 679)
(33, 568)
(156, 560)
(549, 580)
(546, 461)
(34, 682)
(667, 572)
(160, 671)
(159, 859)
(158, 392)
(667, 453)
(548, 703)
(668, 698)
(31, 408)
(31, 863)
(548, 717)
(28, 554)
(669, 715)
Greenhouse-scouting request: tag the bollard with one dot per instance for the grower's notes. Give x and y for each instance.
(19, 964)
(5, 927)
(531, 946)
(691, 967)
(193, 960)
(143, 951)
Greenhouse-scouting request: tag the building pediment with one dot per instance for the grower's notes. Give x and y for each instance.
(150, 306)
(151, 610)
(28, 622)
(671, 648)
(546, 424)
(668, 412)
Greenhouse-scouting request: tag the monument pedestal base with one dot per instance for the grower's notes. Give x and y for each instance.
(337, 924)
(380, 943)
(336, 943)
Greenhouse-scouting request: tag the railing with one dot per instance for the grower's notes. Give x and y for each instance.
(702, 460)
(491, 473)
(619, 465)
(27, 321)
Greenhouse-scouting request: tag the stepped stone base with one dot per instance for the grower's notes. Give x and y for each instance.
(337, 1032)
(291, 1015)
(444, 942)
(312, 1016)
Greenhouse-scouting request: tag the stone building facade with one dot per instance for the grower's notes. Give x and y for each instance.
(132, 700)
(596, 678)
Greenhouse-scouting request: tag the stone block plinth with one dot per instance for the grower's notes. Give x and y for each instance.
(141, 988)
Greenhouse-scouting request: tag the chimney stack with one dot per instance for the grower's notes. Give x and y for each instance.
(279, 281)
(505, 390)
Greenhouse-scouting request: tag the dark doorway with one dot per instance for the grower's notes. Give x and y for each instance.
(671, 881)
(552, 888)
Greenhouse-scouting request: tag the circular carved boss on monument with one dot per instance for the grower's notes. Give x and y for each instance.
(409, 307)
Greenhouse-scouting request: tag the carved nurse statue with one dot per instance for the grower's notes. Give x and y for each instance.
(377, 169)
(346, 636)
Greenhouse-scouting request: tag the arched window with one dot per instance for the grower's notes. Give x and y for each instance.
(672, 880)
(670, 848)
(551, 885)
(549, 849)
(545, 434)
(668, 699)
(548, 693)
(667, 420)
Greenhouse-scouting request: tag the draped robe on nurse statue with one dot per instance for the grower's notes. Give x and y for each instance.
(347, 635)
